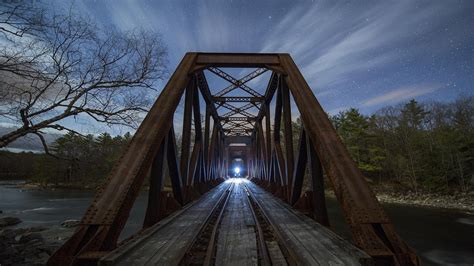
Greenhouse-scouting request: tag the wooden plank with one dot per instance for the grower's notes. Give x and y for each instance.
(237, 241)
(275, 253)
(311, 242)
(166, 244)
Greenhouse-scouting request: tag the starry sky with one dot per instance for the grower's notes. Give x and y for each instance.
(362, 54)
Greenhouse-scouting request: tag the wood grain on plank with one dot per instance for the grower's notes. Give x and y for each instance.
(311, 242)
(166, 244)
(236, 243)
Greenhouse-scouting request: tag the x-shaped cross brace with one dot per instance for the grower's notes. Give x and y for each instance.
(237, 83)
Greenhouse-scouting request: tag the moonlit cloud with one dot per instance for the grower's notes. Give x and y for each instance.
(334, 42)
(362, 54)
(403, 93)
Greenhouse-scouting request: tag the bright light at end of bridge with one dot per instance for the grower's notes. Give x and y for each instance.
(237, 170)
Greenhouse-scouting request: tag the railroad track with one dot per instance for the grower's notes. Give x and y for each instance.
(270, 248)
(235, 224)
(202, 249)
(274, 251)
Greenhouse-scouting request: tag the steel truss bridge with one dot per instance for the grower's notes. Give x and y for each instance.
(202, 220)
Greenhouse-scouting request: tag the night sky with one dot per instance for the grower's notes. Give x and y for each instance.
(362, 54)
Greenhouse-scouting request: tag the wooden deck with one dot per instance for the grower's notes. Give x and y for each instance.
(237, 240)
(310, 242)
(166, 242)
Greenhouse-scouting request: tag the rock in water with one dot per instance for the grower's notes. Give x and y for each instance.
(70, 223)
(8, 221)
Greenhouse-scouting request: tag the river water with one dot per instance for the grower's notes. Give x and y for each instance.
(440, 237)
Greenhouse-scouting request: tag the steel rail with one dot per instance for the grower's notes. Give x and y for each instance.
(194, 253)
(290, 257)
(262, 246)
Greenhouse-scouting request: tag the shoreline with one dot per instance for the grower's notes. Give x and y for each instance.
(59, 186)
(438, 201)
(458, 201)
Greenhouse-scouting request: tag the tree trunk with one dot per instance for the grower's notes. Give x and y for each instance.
(461, 174)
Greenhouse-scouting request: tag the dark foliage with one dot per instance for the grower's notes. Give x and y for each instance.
(423, 146)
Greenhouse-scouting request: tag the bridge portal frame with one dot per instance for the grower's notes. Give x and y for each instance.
(272, 162)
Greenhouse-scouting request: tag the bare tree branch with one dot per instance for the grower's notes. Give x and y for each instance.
(59, 66)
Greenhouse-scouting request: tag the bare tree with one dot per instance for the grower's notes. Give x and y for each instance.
(57, 66)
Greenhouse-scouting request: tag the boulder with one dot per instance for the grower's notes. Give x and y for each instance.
(30, 238)
(37, 229)
(70, 223)
(8, 221)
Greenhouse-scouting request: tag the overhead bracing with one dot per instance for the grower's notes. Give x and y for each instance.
(271, 159)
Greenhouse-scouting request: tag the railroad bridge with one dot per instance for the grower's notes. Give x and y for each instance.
(273, 213)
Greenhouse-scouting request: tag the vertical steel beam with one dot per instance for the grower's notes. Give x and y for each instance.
(186, 136)
(290, 160)
(318, 200)
(197, 114)
(279, 158)
(173, 169)
(193, 164)
(268, 138)
(212, 151)
(300, 169)
(156, 185)
(280, 164)
(262, 149)
(206, 141)
(276, 127)
(197, 137)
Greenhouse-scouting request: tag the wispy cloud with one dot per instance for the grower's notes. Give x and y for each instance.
(332, 42)
(186, 26)
(353, 54)
(402, 93)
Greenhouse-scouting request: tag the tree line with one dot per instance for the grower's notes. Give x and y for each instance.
(419, 146)
(426, 146)
(74, 159)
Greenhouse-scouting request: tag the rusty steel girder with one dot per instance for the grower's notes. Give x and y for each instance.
(269, 157)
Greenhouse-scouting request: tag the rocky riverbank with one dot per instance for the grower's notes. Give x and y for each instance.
(32, 245)
(462, 202)
(457, 201)
(57, 186)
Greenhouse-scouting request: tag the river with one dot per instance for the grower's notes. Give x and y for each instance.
(440, 236)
